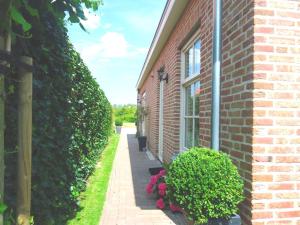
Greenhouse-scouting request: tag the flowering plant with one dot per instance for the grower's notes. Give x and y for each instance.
(158, 188)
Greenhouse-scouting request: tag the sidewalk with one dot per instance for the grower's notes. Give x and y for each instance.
(126, 201)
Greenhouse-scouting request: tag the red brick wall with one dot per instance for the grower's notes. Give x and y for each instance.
(260, 106)
(170, 58)
(236, 91)
(151, 87)
(236, 98)
(276, 130)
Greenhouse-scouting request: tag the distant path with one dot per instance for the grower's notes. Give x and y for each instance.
(126, 200)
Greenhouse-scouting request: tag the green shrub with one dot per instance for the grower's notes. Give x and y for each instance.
(125, 113)
(71, 124)
(206, 184)
(118, 122)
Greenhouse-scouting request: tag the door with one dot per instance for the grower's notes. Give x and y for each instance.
(144, 118)
(161, 123)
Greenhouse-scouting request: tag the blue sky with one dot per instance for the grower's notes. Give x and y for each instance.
(120, 34)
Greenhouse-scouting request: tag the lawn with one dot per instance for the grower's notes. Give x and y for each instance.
(92, 200)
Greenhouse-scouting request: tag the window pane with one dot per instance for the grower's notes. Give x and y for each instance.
(197, 97)
(196, 134)
(188, 132)
(189, 101)
(197, 57)
(189, 63)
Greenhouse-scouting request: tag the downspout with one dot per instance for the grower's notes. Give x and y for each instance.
(216, 76)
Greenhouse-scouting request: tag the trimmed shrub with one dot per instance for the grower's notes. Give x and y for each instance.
(205, 184)
(118, 122)
(72, 121)
(125, 113)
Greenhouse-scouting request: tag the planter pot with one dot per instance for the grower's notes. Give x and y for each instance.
(142, 142)
(234, 220)
(155, 170)
(118, 129)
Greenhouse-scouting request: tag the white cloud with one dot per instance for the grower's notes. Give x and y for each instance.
(141, 51)
(111, 45)
(143, 22)
(93, 20)
(107, 25)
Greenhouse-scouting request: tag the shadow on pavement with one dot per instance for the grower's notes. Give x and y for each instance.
(140, 164)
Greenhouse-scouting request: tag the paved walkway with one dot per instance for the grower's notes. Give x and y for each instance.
(126, 200)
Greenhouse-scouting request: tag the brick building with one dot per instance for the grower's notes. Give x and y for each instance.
(260, 95)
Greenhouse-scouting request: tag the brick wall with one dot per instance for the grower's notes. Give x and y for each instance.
(151, 87)
(237, 93)
(170, 58)
(260, 106)
(276, 130)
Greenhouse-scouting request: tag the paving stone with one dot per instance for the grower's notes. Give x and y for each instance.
(126, 200)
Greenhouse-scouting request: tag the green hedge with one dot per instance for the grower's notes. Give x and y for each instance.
(206, 184)
(124, 113)
(72, 121)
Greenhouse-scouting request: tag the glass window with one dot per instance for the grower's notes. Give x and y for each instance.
(196, 132)
(192, 92)
(189, 132)
(191, 116)
(193, 60)
(197, 98)
(189, 101)
(197, 57)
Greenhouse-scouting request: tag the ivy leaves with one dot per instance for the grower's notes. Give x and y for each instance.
(71, 124)
(16, 10)
(19, 19)
(3, 208)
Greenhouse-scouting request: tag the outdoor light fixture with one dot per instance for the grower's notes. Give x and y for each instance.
(162, 75)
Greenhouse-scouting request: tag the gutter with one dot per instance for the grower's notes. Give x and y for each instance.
(153, 43)
(216, 76)
(168, 21)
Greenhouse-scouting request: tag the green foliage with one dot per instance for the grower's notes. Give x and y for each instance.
(206, 184)
(71, 123)
(3, 207)
(93, 198)
(19, 19)
(19, 10)
(124, 113)
(118, 122)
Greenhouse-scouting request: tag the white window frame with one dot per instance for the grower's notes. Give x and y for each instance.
(143, 104)
(185, 82)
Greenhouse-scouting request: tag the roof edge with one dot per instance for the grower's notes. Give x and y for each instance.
(168, 20)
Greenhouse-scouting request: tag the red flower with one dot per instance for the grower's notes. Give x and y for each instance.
(162, 186)
(160, 203)
(149, 188)
(162, 193)
(175, 208)
(153, 179)
(162, 173)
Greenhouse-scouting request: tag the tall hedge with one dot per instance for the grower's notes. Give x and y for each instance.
(71, 124)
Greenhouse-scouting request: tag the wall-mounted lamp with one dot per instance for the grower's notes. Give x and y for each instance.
(162, 75)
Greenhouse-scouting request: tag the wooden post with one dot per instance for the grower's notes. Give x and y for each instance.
(5, 45)
(24, 144)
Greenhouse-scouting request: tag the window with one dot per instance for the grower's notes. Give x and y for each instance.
(191, 94)
(193, 60)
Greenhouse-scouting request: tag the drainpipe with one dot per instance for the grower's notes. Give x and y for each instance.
(216, 76)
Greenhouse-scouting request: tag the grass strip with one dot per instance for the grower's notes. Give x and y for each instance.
(93, 198)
